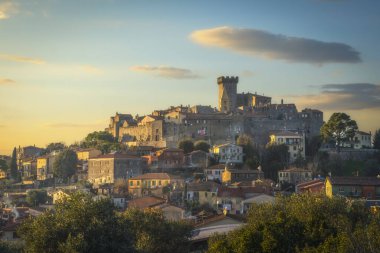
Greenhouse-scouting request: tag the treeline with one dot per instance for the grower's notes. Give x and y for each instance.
(304, 224)
(81, 224)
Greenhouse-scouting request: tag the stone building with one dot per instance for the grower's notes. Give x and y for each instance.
(108, 168)
(294, 176)
(228, 152)
(237, 113)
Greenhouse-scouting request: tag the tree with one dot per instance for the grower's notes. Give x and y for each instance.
(55, 146)
(65, 164)
(78, 224)
(152, 233)
(3, 165)
(304, 223)
(202, 145)
(251, 154)
(101, 140)
(376, 139)
(186, 145)
(340, 127)
(14, 171)
(276, 157)
(36, 197)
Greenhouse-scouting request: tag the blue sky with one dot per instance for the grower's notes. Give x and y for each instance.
(67, 66)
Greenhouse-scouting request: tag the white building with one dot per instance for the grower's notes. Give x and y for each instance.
(228, 152)
(294, 176)
(294, 141)
(362, 140)
(214, 172)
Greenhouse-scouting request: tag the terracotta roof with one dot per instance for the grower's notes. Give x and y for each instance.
(154, 176)
(295, 170)
(145, 202)
(203, 186)
(115, 156)
(373, 181)
(310, 183)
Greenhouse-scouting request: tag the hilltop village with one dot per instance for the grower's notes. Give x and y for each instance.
(199, 164)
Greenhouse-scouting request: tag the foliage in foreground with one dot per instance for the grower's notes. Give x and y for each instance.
(80, 224)
(306, 224)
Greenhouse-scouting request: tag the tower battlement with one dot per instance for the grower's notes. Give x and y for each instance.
(227, 79)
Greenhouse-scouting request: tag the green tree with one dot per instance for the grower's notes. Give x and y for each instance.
(202, 145)
(340, 127)
(101, 140)
(36, 197)
(304, 223)
(312, 145)
(376, 139)
(78, 224)
(152, 233)
(276, 157)
(186, 145)
(3, 165)
(251, 154)
(14, 170)
(55, 146)
(65, 164)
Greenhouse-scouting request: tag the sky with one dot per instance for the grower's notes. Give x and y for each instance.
(67, 66)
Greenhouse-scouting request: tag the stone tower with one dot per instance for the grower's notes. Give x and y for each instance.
(227, 93)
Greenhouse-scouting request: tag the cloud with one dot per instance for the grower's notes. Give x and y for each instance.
(352, 96)
(166, 72)
(276, 46)
(16, 58)
(6, 81)
(91, 69)
(7, 8)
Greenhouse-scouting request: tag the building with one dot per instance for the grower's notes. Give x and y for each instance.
(197, 159)
(110, 167)
(353, 187)
(294, 176)
(29, 167)
(87, 153)
(230, 153)
(294, 141)
(230, 176)
(45, 166)
(152, 183)
(237, 113)
(215, 172)
(170, 158)
(203, 192)
(246, 204)
(362, 140)
(316, 186)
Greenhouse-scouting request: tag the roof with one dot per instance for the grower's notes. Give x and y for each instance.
(145, 202)
(155, 176)
(295, 170)
(285, 133)
(364, 181)
(260, 199)
(85, 149)
(231, 192)
(203, 186)
(310, 183)
(245, 171)
(115, 156)
(362, 133)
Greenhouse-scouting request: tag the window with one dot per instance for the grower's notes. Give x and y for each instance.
(138, 183)
(154, 182)
(159, 182)
(130, 183)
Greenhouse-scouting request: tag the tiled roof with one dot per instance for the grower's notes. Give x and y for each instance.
(115, 156)
(295, 170)
(372, 181)
(203, 186)
(155, 176)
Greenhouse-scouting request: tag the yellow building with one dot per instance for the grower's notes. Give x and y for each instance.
(85, 154)
(3, 174)
(45, 167)
(149, 182)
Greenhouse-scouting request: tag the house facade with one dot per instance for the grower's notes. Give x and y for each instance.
(107, 168)
(294, 176)
(228, 153)
(230, 176)
(294, 141)
(353, 187)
